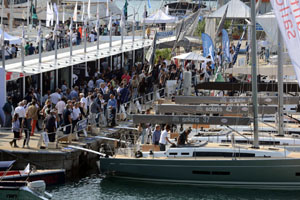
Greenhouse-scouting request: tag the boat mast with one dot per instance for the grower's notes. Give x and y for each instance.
(280, 85)
(254, 73)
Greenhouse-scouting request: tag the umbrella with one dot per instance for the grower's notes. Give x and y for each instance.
(191, 56)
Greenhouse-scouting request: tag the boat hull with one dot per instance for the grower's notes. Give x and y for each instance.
(251, 173)
(51, 177)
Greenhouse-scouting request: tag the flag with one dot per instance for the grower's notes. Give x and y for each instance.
(144, 14)
(26, 170)
(107, 9)
(167, 9)
(75, 13)
(23, 36)
(2, 35)
(225, 45)
(237, 49)
(149, 4)
(38, 38)
(48, 17)
(89, 10)
(150, 56)
(221, 23)
(24, 13)
(125, 9)
(82, 11)
(98, 19)
(63, 16)
(71, 25)
(110, 23)
(52, 14)
(208, 47)
(56, 13)
(287, 14)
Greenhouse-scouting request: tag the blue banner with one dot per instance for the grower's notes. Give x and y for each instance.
(149, 4)
(225, 45)
(237, 49)
(208, 47)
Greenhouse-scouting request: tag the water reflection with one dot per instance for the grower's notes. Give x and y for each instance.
(94, 188)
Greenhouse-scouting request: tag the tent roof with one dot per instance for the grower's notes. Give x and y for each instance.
(191, 56)
(11, 39)
(160, 17)
(236, 10)
(269, 24)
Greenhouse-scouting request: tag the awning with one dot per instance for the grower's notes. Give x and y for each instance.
(191, 56)
(160, 17)
(11, 39)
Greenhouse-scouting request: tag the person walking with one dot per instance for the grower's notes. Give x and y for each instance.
(8, 111)
(16, 128)
(50, 125)
(32, 113)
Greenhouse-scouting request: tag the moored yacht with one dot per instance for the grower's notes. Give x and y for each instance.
(210, 165)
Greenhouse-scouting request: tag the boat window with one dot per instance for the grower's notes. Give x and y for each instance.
(201, 172)
(297, 174)
(220, 173)
(222, 154)
(185, 154)
(246, 142)
(173, 154)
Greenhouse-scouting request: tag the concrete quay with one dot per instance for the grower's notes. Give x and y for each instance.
(75, 162)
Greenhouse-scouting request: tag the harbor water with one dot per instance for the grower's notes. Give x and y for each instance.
(94, 187)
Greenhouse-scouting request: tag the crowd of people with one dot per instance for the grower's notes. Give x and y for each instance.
(64, 36)
(98, 100)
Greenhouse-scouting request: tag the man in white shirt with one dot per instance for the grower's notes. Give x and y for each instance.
(83, 103)
(76, 114)
(164, 138)
(55, 97)
(20, 110)
(60, 106)
(92, 37)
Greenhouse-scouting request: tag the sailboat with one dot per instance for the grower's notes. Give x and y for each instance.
(211, 164)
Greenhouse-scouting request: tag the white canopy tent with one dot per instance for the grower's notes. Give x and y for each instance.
(269, 24)
(236, 10)
(191, 56)
(11, 39)
(160, 17)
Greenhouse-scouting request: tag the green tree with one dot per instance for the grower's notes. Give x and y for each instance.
(200, 28)
(164, 53)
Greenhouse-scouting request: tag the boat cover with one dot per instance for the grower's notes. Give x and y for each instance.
(4, 165)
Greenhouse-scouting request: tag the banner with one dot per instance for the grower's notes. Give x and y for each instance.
(89, 9)
(48, 17)
(287, 15)
(75, 13)
(150, 56)
(225, 45)
(125, 12)
(56, 13)
(149, 4)
(82, 11)
(107, 9)
(237, 49)
(51, 14)
(208, 47)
